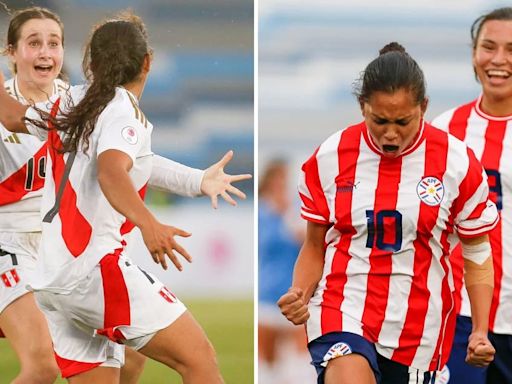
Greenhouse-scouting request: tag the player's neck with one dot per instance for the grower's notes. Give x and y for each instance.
(33, 93)
(496, 107)
(135, 87)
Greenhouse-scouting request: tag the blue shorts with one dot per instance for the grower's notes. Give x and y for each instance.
(335, 344)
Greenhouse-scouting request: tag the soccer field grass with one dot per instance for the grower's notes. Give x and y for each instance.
(229, 325)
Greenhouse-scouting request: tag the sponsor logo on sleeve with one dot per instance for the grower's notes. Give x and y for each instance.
(130, 135)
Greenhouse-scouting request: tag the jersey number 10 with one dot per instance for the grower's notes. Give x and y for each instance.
(375, 227)
(34, 170)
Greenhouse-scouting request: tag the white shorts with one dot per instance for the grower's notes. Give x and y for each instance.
(116, 303)
(18, 254)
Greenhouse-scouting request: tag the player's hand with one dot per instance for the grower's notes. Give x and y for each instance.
(293, 306)
(159, 240)
(480, 350)
(2, 79)
(215, 182)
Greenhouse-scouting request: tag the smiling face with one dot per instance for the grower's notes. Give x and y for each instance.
(393, 120)
(38, 54)
(492, 60)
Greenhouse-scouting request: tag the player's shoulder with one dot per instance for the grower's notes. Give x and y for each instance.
(443, 120)
(125, 106)
(9, 86)
(334, 139)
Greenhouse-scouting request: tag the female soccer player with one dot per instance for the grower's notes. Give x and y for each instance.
(220, 182)
(385, 202)
(485, 124)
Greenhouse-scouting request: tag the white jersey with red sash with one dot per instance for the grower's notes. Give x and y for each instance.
(22, 165)
(80, 226)
(393, 222)
(490, 138)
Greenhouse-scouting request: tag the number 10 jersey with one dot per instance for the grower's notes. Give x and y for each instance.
(393, 221)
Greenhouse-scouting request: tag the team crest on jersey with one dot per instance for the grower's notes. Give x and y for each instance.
(430, 190)
(337, 350)
(130, 135)
(443, 376)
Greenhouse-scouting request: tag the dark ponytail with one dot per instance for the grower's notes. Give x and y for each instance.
(394, 69)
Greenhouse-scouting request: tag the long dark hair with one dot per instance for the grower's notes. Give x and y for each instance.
(113, 57)
(392, 70)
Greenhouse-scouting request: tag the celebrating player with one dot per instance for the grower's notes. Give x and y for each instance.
(81, 231)
(35, 47)
(385, 201)
(485, 125)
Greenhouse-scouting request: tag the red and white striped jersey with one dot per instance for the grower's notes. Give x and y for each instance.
(85, 227)
(491, 140)
(22, 164)
(387, 274)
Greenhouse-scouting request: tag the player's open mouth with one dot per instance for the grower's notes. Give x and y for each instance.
(43, 68)
(390, 148)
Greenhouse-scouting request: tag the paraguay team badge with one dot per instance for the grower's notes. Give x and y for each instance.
(337, 350)
(430, 190)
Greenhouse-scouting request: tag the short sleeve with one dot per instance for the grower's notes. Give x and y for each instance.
(313, 201)
(121, 133)
(475, 213)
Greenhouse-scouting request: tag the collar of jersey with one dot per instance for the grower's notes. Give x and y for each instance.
(487, 116)
(131, 93)
(411, 148)
(20, 97)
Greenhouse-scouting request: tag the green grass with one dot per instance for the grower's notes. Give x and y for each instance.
(229, 325)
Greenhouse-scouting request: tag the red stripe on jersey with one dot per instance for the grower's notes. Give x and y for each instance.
(459, 121)
(348, 152)
(491, 156)
(76, 230)
(115, 292)
(70, 368)
(386, 195)
(24, 180)
(128, 225)
(310, 168)
(412, 331)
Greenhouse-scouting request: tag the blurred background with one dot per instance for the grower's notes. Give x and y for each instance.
(309, 55)
(199, 97)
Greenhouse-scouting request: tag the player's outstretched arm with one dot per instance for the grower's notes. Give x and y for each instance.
(170, 176)
(306, 275)
(479, 280)
(12, 112)
(113, 167)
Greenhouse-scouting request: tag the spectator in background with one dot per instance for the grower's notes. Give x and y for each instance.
(278, 246)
